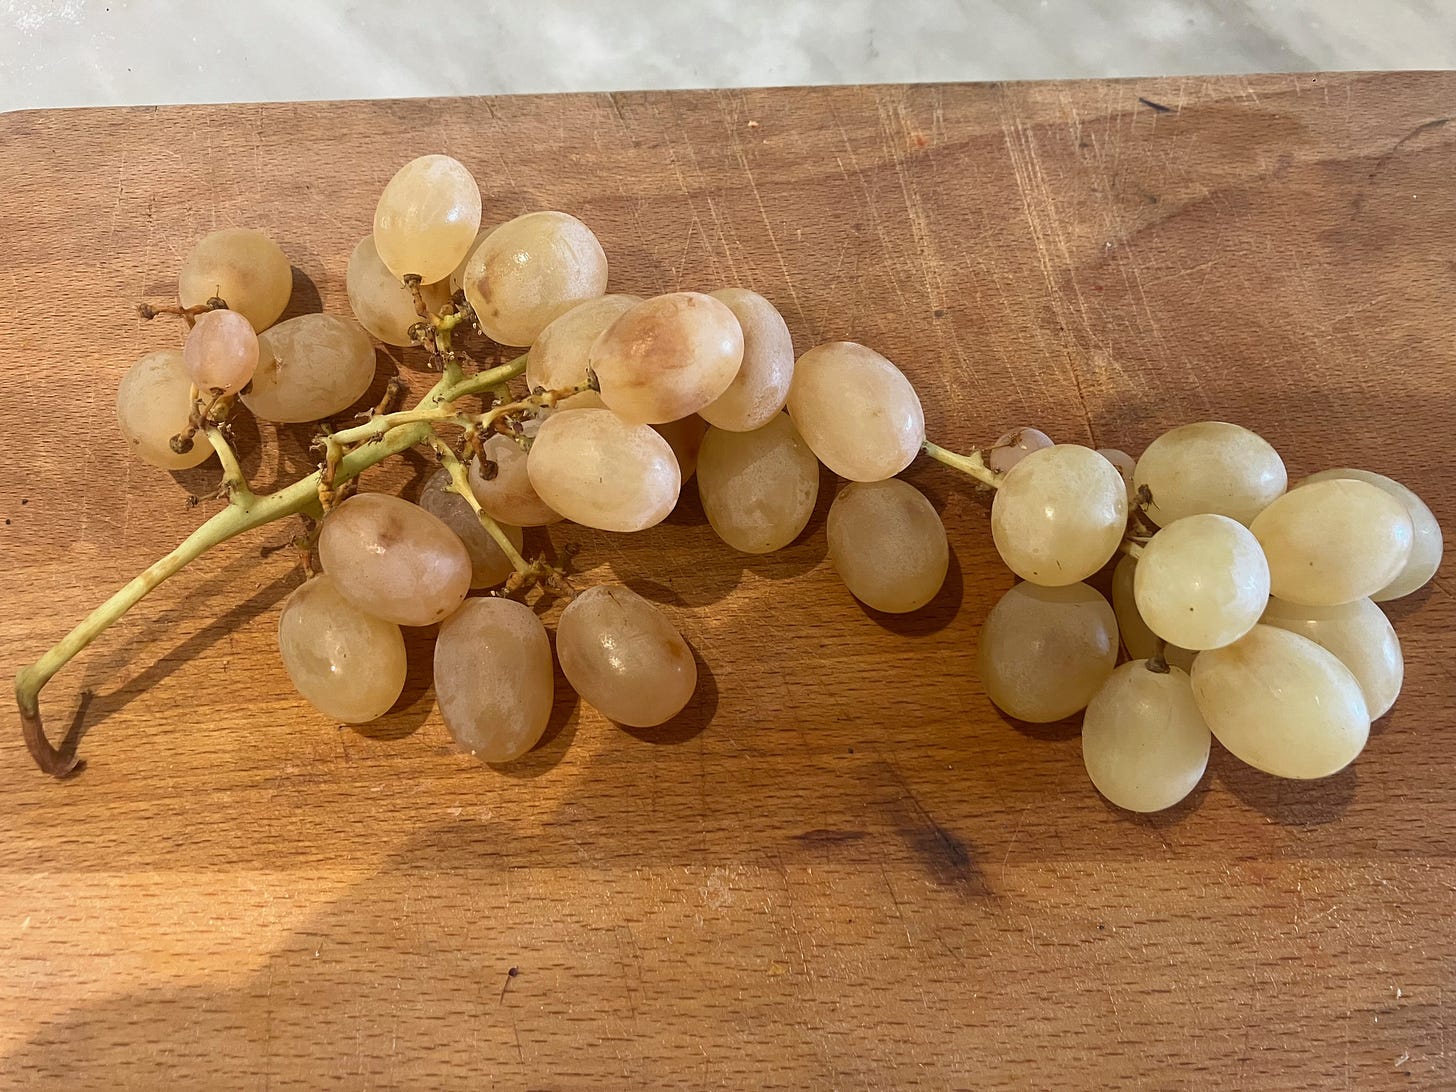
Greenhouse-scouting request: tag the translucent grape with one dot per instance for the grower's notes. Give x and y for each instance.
(856, 411)
(489, 566)
(456, 280)
(427, 218)
(1011, 447)
(1126, 466)
(1210, 466)
(758, 488)
(888, 545)
(1045, 651)
(1059, 515)
(685, 437)
(1144, 742)
(153, 404)
(1426, 544)
(1359, 635)
(596, 469)
(761, 387)
(1282, 703)
(493, 678)
(394, 560)
(348, 664)
(1202, 581)
(1140, 642)
(507, 494)
(624, 657)
(531, 270)
(379, 299)
(221, 352)
(1333, 542)
(310, 367)
(243, 268)
(559, 355)
(668, 357)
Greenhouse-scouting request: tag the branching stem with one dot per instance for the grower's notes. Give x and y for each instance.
(973, 464)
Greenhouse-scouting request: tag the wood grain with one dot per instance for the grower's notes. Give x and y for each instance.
(839, 868)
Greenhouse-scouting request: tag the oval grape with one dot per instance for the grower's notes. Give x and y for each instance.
(758, 488)
(761, 387)
(856, 411)
(427, 218)
(600, 471)
(347, 663)
(309, 368)
(243, 268)
(888, 545)
(1059, 515)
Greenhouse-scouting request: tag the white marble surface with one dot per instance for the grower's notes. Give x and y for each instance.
(90, 52)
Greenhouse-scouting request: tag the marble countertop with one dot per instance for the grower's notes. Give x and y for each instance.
(86, 52)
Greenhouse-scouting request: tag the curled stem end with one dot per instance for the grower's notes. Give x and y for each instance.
(58, 762)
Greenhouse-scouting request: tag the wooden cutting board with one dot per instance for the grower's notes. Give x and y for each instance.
(839, 868)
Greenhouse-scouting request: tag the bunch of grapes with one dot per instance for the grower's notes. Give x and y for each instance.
(1247, 610)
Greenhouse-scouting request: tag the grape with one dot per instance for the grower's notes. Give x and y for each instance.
(1144, 742)
(1358, 634)
(761, 387)
(685, 437)
(310, 367)
(1426, 544)
(1140, 642)
(596, 469)
(426, 218)
(1045, 651)
(153, 404)
(243, 268)
(1333, 542)
(1202, 581)
(888, 545)
(379, 299)
(508, 495)
(531, 270)
(1014, 446)
(489, 566)
(1126, 466)
(348, 664)
(758, 488)
(1059, 515)
(1211, 466)
(456, 280)
(558, 356)
(493, 678)
(667, 357)
(221, 352)
(624, 657)
(1282, 703)
(856, 411)
(393, 559)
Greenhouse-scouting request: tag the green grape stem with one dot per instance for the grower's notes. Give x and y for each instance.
(460, 483)
(245, 511)
(973, 464)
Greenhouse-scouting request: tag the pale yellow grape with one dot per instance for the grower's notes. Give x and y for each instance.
(1059, 514)
(667, 357)
(243, 268)
(761, 387)
(380, 300)
(888, 545)
(1282, 703)
(1426, 544)
(1210, 466)
(1144, 742)
(1044, 651)
(153, 404)
(348, 664)
(1140, 642)
(220, 353)
(456, 280)
(758, 488)
(624, 658)
(507, 494)
(427, 218)
(393, 559)
(1202, 581)
(493, 678)
(685, 437)
(1334, 541)
(489, 566)
(1361, 637)
(856, 411)
(600, 471)
(531, 270)
(558, 357)
(309, 368)
(1011, 447)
